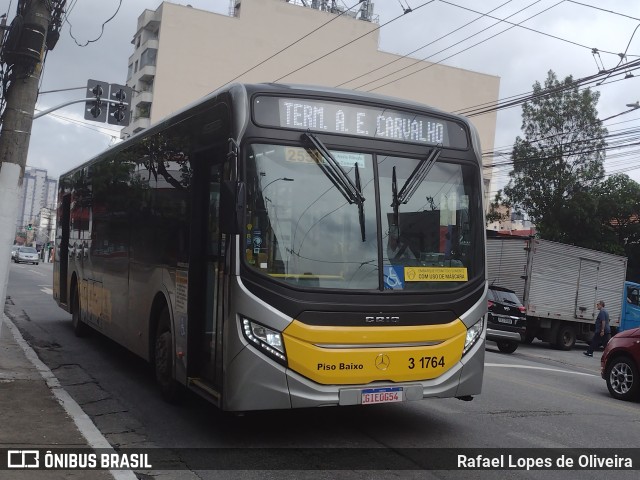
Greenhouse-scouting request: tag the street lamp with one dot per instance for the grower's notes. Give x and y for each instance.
(632, 107)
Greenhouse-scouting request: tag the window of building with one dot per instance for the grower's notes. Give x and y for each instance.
(135, 69)
(130, 71)
(148, 57)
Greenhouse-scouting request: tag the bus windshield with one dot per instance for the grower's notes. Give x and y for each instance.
(302, 231)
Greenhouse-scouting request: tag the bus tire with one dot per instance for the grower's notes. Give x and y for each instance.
(80, 329)
(566, 337)
(164, 359)
(507, 347)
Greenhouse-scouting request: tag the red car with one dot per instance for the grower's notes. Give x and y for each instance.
(620, 364)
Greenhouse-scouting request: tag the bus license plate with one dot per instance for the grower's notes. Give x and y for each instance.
(382, 395)
(505, 320)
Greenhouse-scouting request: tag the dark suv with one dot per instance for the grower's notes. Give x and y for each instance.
(506, 318)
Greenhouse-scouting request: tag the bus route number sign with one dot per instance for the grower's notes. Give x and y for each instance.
(382, 395)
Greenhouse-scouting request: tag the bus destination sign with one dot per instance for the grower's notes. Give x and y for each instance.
(357, 120)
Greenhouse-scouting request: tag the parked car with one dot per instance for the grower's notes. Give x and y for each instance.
(506, 319)
(620, 365)
(27, 255)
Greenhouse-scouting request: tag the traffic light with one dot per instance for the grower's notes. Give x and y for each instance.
(119, 113)
(96, 109)
(30, 227)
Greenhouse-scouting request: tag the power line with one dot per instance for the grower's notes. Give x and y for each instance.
(546, 92)
(101, 28)
(418, 61)
(507, 148)
(291, 44)
(423, 46)
(604, 10)
(465, 49)
(350, 42)
(80, 123)
(533, 29)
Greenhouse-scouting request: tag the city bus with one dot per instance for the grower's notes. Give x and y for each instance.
(283, 246)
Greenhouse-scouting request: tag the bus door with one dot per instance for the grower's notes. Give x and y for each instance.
(206, 271)
(62, 249)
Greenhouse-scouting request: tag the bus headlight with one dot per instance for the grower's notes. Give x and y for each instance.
(473, 334)
(265, 339)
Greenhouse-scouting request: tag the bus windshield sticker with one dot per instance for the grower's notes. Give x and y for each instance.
(435, 274)
(345, 159)
(349, 160)
(357, 120)
(393, 277)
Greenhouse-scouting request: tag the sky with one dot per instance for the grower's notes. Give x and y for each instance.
(519, 56)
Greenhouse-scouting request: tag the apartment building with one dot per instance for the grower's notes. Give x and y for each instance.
(182, 53)
(37, 204)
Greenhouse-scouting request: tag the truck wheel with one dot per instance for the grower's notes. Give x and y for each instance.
(163, 359)
(622, 378)
(566, 338)
(507, 347)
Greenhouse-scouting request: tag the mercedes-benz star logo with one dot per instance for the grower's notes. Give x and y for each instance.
(382, 361)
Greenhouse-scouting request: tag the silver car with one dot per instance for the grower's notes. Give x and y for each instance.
(14, 250)
(27, 255)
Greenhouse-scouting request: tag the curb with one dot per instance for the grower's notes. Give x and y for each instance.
(87, 428)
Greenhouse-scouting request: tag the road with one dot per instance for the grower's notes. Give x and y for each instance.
(534, 398)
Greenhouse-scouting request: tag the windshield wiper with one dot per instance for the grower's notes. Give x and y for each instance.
(360, 204)
(334, 172)
(413, 182)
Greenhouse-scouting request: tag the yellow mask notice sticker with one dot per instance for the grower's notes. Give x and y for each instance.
(435, 274)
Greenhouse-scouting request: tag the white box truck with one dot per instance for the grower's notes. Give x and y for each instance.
(558, 284)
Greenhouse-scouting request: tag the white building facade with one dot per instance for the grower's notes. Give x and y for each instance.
(38, 194)
(182, 53)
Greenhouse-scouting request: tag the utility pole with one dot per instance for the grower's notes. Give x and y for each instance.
(24, 50)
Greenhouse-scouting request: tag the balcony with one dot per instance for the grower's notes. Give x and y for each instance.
(144, 97)
(149, 20)
(146, 73)
(151, 43)
(140, 123)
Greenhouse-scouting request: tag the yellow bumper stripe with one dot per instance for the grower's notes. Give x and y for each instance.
(342, 366)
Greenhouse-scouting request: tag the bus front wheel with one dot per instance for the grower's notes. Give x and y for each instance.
(163, 359)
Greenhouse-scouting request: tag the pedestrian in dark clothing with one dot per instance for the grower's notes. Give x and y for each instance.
(602, 332)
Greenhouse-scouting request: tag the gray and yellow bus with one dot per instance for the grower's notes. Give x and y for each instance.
(279, 246)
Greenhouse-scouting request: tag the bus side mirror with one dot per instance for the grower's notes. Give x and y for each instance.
(232, 198)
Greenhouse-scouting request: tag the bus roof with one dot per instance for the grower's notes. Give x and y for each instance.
(243, 91)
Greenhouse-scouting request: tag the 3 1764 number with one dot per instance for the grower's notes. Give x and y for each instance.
(426, 362)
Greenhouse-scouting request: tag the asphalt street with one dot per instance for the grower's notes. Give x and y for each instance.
(534, 398)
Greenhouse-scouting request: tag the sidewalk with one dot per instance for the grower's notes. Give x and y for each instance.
(36, 412)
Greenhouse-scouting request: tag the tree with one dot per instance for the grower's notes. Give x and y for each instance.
(559, 162)
(619, 207)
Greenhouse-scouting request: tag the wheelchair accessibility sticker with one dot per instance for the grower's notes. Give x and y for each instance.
(393, 277)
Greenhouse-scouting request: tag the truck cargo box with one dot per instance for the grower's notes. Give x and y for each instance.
(558, 284)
